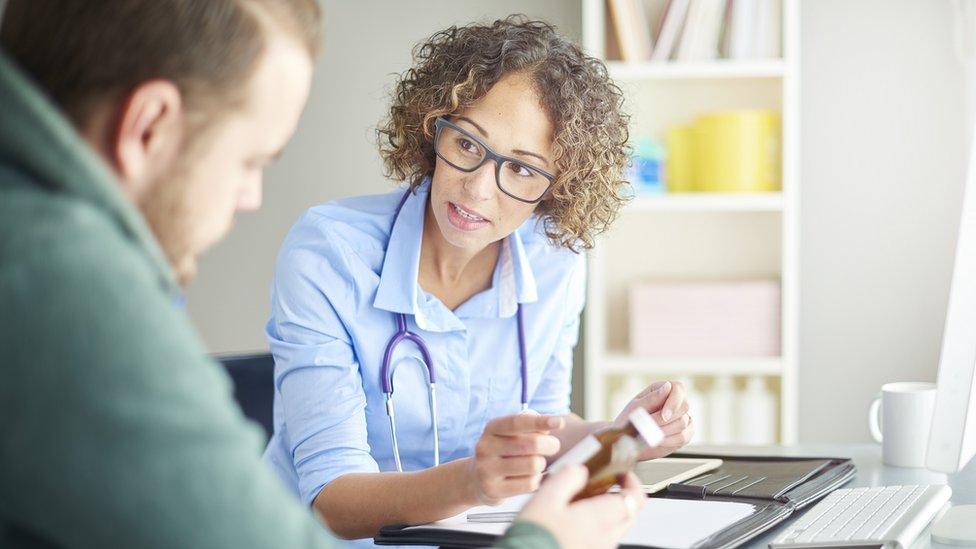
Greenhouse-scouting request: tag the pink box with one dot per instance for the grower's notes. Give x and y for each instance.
(725, 318)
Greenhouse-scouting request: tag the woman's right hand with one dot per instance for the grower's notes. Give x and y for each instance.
(596, 522)
(510, 456)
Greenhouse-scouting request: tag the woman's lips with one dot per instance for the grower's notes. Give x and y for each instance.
(465, 219)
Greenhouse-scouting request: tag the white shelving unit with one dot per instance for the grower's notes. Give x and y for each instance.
(723, 68)
(697, 235)
(624, 364)
(707, 202)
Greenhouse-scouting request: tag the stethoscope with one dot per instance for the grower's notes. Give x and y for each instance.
(403, 334)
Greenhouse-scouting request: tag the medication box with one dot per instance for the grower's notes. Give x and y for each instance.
(724, 318)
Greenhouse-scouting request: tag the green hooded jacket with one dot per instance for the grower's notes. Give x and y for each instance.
(116, 430)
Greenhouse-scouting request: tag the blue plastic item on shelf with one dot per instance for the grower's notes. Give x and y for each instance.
(645, 170)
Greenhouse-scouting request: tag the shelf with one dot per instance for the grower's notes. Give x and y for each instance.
(707, 202)
(697, 235)
(621, 363)
(678, 70)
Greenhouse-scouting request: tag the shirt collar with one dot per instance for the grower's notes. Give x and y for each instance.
(399, 290)
(525, 288)
(513, 278)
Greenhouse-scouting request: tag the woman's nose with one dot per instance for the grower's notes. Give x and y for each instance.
(480, 184)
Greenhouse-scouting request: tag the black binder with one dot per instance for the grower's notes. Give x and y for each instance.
(776, 486)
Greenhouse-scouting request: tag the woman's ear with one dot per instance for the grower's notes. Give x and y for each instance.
(147, 135)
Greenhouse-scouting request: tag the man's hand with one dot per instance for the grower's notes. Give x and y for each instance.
(665, 401)
(596, 522)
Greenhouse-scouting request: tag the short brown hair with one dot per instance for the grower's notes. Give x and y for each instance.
(456, 67)
(83, 52)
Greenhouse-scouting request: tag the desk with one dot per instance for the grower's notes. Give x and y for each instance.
(870, 472)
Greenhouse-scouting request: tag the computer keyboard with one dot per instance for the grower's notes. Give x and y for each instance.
(892, 516)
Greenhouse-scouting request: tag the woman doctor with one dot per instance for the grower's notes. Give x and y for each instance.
(461, 294)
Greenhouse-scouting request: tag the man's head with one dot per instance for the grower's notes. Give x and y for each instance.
(186, 100)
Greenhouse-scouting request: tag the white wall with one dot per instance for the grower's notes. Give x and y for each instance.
(333, 153)
(882, 163)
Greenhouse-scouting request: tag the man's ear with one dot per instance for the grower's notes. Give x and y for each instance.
(147, 135)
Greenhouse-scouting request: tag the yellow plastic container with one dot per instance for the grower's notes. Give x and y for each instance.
(679, 164)
(737, 151)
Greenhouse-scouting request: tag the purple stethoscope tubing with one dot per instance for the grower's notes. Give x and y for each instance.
(403, 334)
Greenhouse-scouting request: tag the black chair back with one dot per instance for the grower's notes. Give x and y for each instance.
(253, 377)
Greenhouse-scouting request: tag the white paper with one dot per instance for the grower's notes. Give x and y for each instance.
(680, 523)
(513, 504)
(666, 523)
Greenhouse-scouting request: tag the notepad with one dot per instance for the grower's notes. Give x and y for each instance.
(503, 512)
(656, 474)
(664, 523)
(680, 524)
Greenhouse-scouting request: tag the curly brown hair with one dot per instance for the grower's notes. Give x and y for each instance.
(456, 67)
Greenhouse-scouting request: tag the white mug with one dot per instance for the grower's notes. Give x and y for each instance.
(900, 419)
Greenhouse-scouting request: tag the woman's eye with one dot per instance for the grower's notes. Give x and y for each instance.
(520, 170)
(469, 146)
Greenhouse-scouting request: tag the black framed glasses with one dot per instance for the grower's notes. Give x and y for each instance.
(460, 149)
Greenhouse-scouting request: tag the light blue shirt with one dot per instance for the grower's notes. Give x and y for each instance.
(341, 276)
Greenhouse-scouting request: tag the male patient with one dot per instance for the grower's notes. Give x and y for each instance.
(130, 133)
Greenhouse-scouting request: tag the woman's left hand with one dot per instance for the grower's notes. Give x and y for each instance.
(665, 401)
